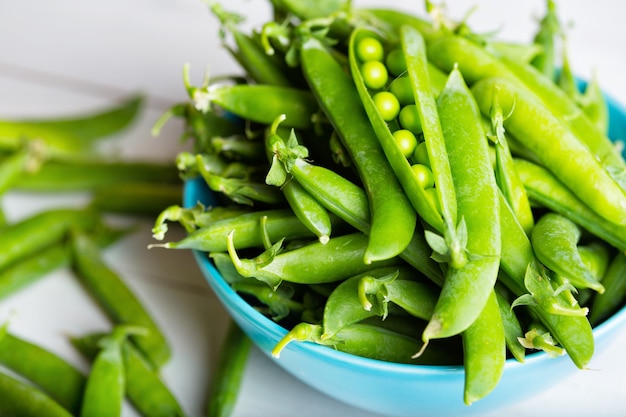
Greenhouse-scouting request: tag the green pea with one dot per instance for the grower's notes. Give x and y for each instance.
(395, 62)
(370, 49)
(387, 104)
(424, 175)
(409, 119)
(420, 155)
(374, 74)
(401, 88)
(407, 142)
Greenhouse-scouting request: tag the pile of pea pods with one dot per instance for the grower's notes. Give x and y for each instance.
(49, 156)
(386, 179)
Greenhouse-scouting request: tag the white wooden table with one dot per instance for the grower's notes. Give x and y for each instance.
(70, 56)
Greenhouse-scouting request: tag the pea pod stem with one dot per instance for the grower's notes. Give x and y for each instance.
(335, 92)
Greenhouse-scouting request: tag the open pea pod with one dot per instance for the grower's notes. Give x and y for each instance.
(70, 134)
(400, 164)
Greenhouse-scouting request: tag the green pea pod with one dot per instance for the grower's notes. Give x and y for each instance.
(261, 67)
(414, 49)
(280, 223)
(484, 352)
(310, 212)
(338, 98)
(24, 162)
(603, 305)
(389, 20)
(22, 399)
(145, 389)
(344, 305)
(44, 369)
(228, 376)
(141, 199)
(192, 218)
(276, 303)
(67, 135)
(21, 274)
(555, 239)
(544, 188)
(593, 103)
(349, 202)
(549, 138)
(399, 163)
(260, 103)
(573, 332)
(24, 238)
(116, 298)
(81, 175)
(310, 9)
(507, 178)
(375, 340)
(477, 63)
(105, 388)
(548, 33)
(512, 328)
(314, 263)
(596, 256)
(478, 205)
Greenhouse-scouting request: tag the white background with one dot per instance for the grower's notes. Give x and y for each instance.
(69, 56)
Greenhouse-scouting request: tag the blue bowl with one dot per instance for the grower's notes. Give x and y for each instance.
(390, 388)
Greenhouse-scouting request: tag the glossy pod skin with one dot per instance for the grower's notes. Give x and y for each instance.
(44, 369)
(144, 387)
(116, 298)
(478, 207)
(389, 207)
(549, 139)
(24, 400)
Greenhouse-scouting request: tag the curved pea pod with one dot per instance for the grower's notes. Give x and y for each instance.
(247, 228)
(309, 9)
(518, 261)
(603, 305)
(550, 139)
(477, 63)
(44, 369)
(22, 399)
(279, 302)
(145, 388)
(106, 383)
(260, 103)
(390, 208)
(555, 239)
(478, 207)
(67, 136)
(116, 298)
(424, 206)
(369, 339)
(306, 208)
(596, 256)
(345, 305)
(349, 202)
(484, 352)
(314, 263)
(543, 187)
(249, 53)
